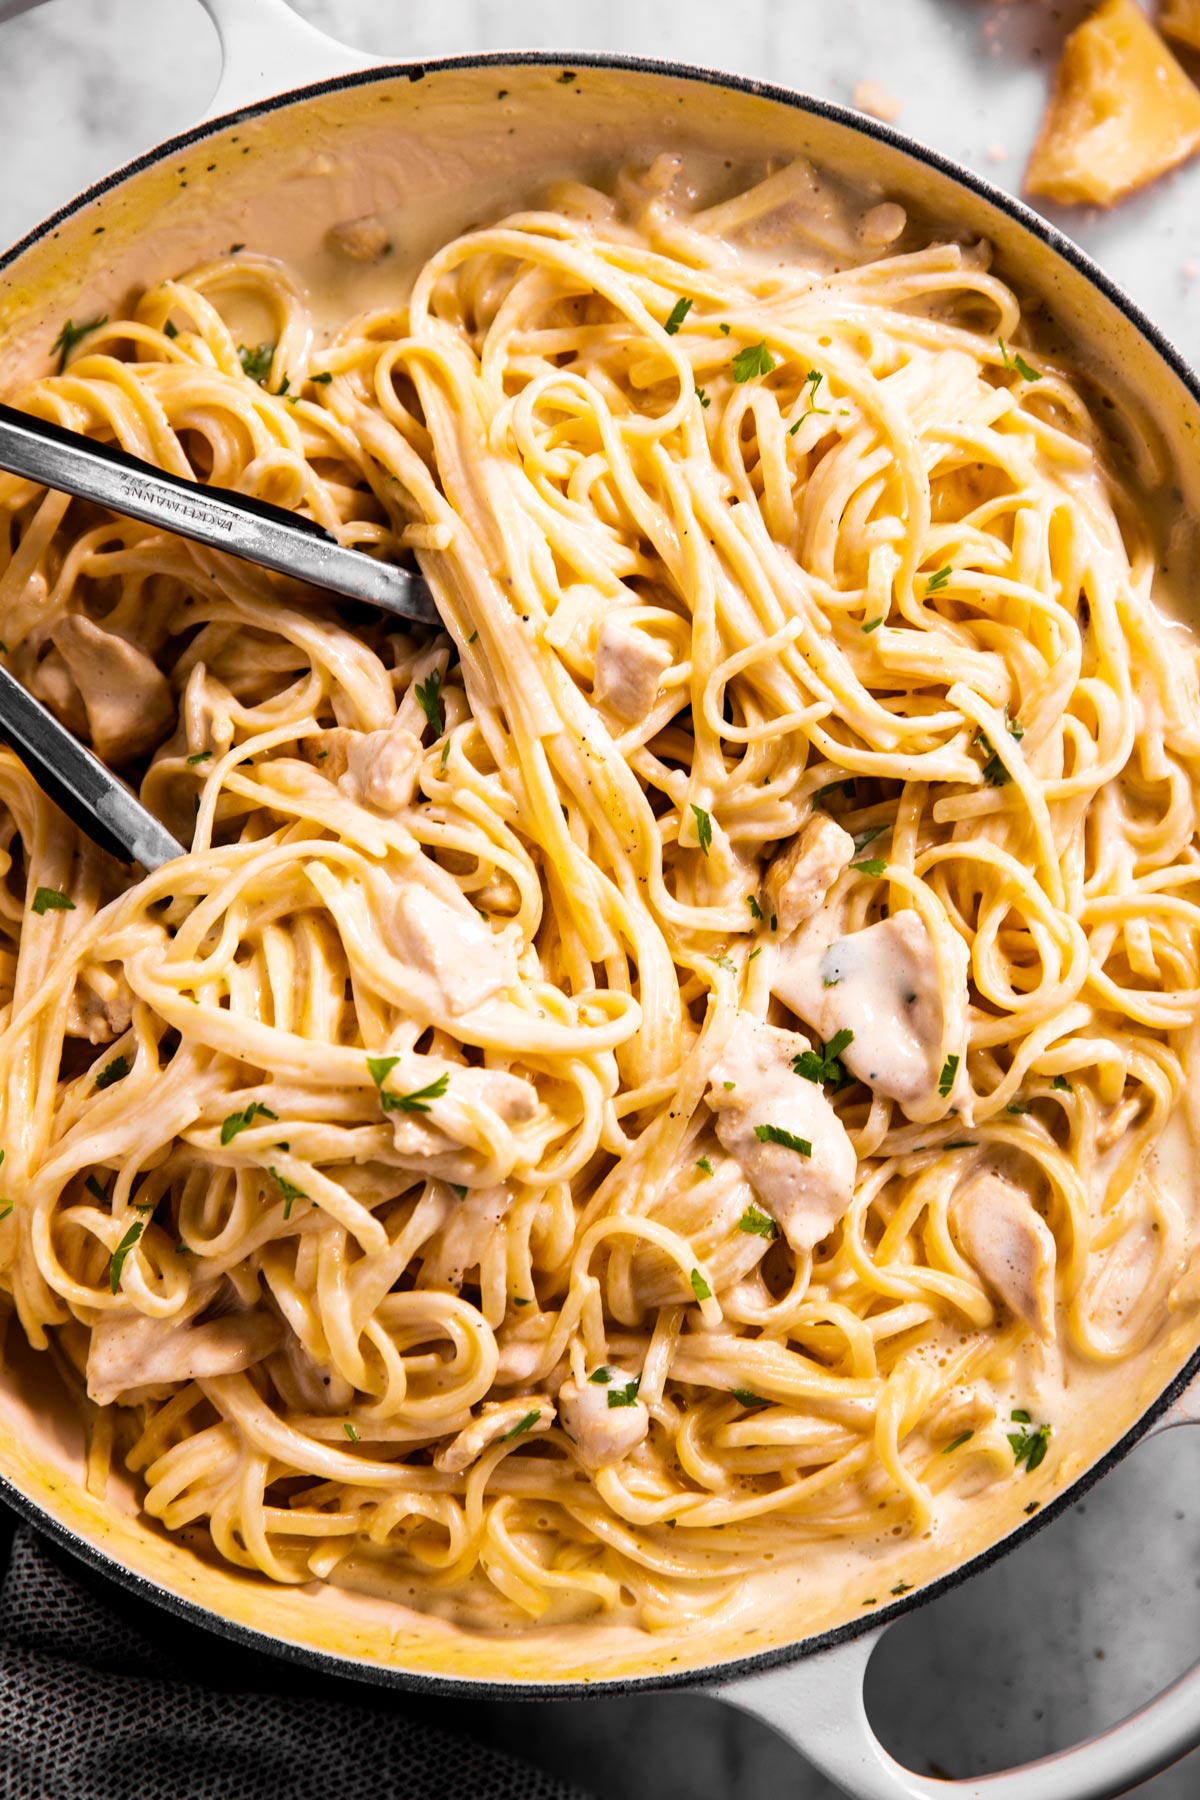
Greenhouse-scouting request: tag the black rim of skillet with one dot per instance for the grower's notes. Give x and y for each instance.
(734, 1668)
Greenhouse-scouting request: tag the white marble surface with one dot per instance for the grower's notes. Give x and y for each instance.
(1090, 1617)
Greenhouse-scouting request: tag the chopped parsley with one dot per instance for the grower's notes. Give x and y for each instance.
(51, 900)
(348, 1428)
(289, 1190)
(1019, 1106)
(1062, 1084)
(460, 1193)
(902, 1587)
(874, 865)
(198, 756)
(725, 329)
(1029, 1446)
(868, 837)
(627, 1395)
(531, 1418)
(678, 314)
(704, 399)
(6, 1207)
(754, 360)
(938, 581)
(775, 1134)
(705, 1165)
(758, 1224)
(323, 379)
(114, 1071)
(417, 1102)
(380, 1067)
(725, 962)
(958, 1442)
(429, 696)
(170, 330)
(256, 363)
(122, 1251)
(962, 1144)
(793, 429)
(241, 1121)
(93, 1187)
(1017, 362)
(822, 1063)
(946, 1078)
(812, 382)
(872, 625)
(744, 1397)
(701, 1290)
(994, 771)
(602, 1375)
(70, 335)
(833, 787)
(755, 908)
(703, 829)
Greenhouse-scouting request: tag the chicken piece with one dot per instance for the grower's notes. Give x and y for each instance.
(629, 666)
(364, 240)
(373, 768)
(883, 984)
(382, 768)
(1181, 19)
(206, 713)
(127, 700)
(1122, 112)
(51, 682)
(498, 1419)
(960, 1409)
(464, 960)
(799, 876)
(101, 1007)
(129, 1351)
(1011, 1246)
(523, 1348)
(307, 1385)
(603, 1433)
(465, 1239)
(754, 1089)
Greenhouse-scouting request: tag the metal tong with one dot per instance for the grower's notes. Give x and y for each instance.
(92, 796)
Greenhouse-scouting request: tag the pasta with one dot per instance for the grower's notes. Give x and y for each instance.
(666, 1071)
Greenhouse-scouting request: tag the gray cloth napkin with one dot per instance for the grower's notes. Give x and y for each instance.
(103, 1698)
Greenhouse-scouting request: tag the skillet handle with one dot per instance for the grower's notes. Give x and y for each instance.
(266, 48)
(817, 1705)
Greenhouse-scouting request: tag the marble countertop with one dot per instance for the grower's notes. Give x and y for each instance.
(1100, 1609)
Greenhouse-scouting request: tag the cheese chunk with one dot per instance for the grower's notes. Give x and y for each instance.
(1122, 112)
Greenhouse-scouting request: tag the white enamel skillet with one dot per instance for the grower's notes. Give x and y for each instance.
(303, 132)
